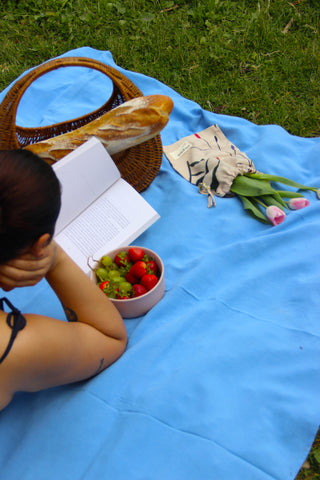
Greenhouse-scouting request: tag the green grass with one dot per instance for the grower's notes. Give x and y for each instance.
(230, 56)
(256, 59)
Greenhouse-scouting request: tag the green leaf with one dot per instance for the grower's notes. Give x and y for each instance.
(278, 198)
(276, 178)
(274, 199)
(289, 194)
(254, 211)
(251, 187)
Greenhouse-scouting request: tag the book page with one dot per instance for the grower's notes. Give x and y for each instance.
(84, 175)
(116, 218)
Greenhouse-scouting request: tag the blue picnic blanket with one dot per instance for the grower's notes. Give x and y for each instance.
(221, 379)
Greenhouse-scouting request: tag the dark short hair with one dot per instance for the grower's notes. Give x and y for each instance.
(30, 200)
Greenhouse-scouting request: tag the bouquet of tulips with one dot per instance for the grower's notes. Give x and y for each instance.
(210, 161)
(264, 202)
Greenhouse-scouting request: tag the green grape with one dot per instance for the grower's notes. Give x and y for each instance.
(114, 274)
(102, 274)
(125, 287)
(106, 261)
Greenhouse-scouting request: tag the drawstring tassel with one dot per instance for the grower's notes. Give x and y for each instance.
(205, 190)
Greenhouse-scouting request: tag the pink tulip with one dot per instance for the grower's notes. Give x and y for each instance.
(275, 214)
(297, 203)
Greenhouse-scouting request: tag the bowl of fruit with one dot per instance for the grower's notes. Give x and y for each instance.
(132, 277)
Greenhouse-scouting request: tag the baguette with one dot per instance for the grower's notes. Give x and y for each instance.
(130, 124)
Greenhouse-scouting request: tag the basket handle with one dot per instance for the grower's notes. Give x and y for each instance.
(9, 105)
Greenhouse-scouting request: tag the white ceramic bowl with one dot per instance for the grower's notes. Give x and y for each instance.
(135, 307)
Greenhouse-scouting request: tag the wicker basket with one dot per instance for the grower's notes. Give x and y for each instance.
(138, 165)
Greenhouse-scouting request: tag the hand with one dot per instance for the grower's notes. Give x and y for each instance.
(28, 268)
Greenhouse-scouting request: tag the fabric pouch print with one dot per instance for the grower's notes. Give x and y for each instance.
(209, 160)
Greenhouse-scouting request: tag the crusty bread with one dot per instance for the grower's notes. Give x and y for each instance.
(132, 123)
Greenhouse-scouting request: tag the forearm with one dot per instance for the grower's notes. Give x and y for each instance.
(79, 294)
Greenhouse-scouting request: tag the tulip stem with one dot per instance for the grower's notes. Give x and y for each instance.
(261, 203)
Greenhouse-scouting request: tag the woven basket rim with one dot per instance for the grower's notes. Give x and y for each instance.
(146, 157)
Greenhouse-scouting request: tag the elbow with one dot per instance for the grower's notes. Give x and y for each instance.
(121, 345)
(122, 339)
(111, 355)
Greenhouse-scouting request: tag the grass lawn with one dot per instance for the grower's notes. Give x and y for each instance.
(259, 60)
(256, 59)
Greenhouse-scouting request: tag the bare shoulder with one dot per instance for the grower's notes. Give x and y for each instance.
(5, 334)
(50, 352)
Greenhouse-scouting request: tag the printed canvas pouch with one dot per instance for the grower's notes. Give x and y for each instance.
(210, 161)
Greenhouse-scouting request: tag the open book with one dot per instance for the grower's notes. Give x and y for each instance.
(100, 211)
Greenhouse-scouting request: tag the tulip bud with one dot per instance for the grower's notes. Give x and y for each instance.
(297, 203)
(275, 214)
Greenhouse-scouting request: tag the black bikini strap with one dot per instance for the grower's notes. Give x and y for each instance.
(16, 322)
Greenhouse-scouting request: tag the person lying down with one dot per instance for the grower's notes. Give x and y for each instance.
(36, 351)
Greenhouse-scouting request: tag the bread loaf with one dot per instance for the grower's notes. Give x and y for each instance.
(132, 123)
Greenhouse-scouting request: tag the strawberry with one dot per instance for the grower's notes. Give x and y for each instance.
(131, 278)
(138, 269)
(152, 267)
(136, 254)
(121, 259)
(149, 281)
(104, 285)
(138, 290)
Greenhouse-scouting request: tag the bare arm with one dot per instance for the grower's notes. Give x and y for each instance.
(50, 352)
(83, 297)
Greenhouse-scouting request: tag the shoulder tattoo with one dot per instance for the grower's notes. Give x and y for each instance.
(70, 314)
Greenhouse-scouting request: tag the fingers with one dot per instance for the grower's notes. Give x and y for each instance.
(12, 277)
(26, 270)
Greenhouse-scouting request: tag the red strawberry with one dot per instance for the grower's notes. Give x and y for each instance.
(152, 267)
(121, 259)
(149, 281)
(104, 285)
(131, 278)
(138, 290)
(136, 254)
(138, 269)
